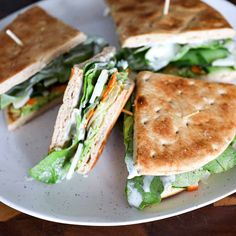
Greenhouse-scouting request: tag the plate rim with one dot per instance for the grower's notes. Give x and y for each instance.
(94, 223)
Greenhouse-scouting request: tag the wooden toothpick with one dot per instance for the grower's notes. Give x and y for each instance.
(166, 7)
(14, 37)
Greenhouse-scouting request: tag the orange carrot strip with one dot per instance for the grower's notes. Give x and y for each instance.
(90, 114)
(110, 86)
(196, 69)
(32, 101)
(72, 73)
(59, 88)
(192, 188)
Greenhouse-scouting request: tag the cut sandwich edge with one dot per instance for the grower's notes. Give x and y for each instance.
(179, 38)
(35, 67)
(106, 130)
(15, 124)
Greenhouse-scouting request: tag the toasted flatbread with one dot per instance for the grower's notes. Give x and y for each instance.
(44, 38)
(13, 123)
(70, 101)
(142, 23)
(181, 124)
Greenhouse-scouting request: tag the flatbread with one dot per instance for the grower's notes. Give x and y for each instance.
(71, 97)
(181, 124)
(13, 124)
(142, 23)
(44, 38)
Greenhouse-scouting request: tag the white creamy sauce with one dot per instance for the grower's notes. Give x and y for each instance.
(123, 64)
(234, 145)
(74, 161)
(97, 92)
(231, 59)
(228, 61)
(167, 181)
(135, 198)
(205, 177)
(72, 123)
(49, 82)
(133, 172)
(23, 100)
(160, 55)
(147, 180)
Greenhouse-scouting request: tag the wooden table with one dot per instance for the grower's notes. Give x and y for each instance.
(210, 220)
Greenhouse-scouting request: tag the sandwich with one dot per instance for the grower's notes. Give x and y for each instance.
(181, 132)
(37, 52)
(193, 40)
(94, 98)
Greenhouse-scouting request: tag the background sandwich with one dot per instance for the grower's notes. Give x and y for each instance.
(182, 131)
(193, 40)
(96, 94)
(37, 52)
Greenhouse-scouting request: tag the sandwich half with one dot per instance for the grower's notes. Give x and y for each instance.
(36, 56)
(94, 98)
(193, 40)
(182, 131)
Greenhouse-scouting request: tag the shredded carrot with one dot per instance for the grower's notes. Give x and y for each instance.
(192, 188)
(196, 69)
(59, 88)
(32, 101)
(127, 112)
(72, 73)
(90, 114)
(110, 86)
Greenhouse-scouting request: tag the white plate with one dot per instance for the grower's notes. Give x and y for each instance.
(98, 199)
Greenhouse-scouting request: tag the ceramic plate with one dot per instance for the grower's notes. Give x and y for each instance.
(98, 199)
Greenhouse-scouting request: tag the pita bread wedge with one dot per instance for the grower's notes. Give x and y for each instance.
(44, 38)
(182, 131)
(142, 23)
(193, 38)
(34, 74)
(93, 101)
(181, 125)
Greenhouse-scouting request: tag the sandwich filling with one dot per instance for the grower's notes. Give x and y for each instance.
(144, 191)
(49, 83)
(103, 82)
(188, 60)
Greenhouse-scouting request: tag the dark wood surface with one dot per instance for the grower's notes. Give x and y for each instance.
(209, 220)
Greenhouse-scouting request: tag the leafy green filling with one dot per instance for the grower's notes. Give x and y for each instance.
(187, 56)
(54, 167)
(41, 85)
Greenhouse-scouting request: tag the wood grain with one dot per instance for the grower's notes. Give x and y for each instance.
(7, 213)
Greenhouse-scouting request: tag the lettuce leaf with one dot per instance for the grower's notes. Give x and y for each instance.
(188, 55)
(224, 162)
(140, 199)
(58, 68)
(54, 167)
(190, 178)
